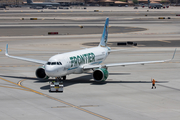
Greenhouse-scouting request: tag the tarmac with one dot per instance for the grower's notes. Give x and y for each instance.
(126, 94)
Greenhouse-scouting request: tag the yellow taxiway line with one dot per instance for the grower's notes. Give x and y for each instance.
(13, 88)
(69, 104)
(19, 83)
(164, 41)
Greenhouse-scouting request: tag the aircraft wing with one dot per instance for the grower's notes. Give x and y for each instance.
(91, 66)
(134, 63)
(25, 59)
(129, 63)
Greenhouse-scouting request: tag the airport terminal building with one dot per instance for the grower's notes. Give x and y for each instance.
(90, 2)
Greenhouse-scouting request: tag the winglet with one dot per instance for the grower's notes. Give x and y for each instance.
(6, 52)
(174, 54)
(104, 34)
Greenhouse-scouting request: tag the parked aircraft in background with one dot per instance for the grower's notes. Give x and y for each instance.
(43, 4)
(155, 6)
(81, 61)
(3, 6)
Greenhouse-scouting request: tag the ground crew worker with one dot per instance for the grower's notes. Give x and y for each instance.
(153, 83)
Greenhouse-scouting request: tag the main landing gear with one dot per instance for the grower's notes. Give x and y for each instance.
(64, 77)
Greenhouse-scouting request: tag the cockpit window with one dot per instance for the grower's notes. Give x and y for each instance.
(54, 63)
(59, 63)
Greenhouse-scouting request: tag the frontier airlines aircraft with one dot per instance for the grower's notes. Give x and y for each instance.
(80, 61)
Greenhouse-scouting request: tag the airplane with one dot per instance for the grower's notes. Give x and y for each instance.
(80, 61)
(155, 5)
(43, 4)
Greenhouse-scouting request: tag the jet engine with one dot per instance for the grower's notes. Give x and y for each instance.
(40, 73)
(100, 74)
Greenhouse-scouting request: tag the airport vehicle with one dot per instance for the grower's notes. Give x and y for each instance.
(56, 86)
(43, 4)
(80, 61)
(3, 6)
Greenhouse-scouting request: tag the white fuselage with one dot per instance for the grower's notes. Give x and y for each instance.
(73, 62)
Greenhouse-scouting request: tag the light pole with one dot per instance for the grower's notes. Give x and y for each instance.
(16, 2)
(148, 3)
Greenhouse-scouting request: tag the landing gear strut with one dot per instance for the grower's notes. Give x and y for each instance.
(64, 77)
(58, 79)
(61, 78)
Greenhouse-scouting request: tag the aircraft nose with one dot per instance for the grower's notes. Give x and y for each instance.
(50, 70)
(53, 71)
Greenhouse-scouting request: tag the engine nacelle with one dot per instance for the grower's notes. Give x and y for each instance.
(40, 73)
(100, 74)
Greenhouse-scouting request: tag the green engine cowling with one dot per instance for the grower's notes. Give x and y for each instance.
(100, 74)
(40, 73)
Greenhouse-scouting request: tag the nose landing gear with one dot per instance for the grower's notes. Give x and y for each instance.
(61, 78)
